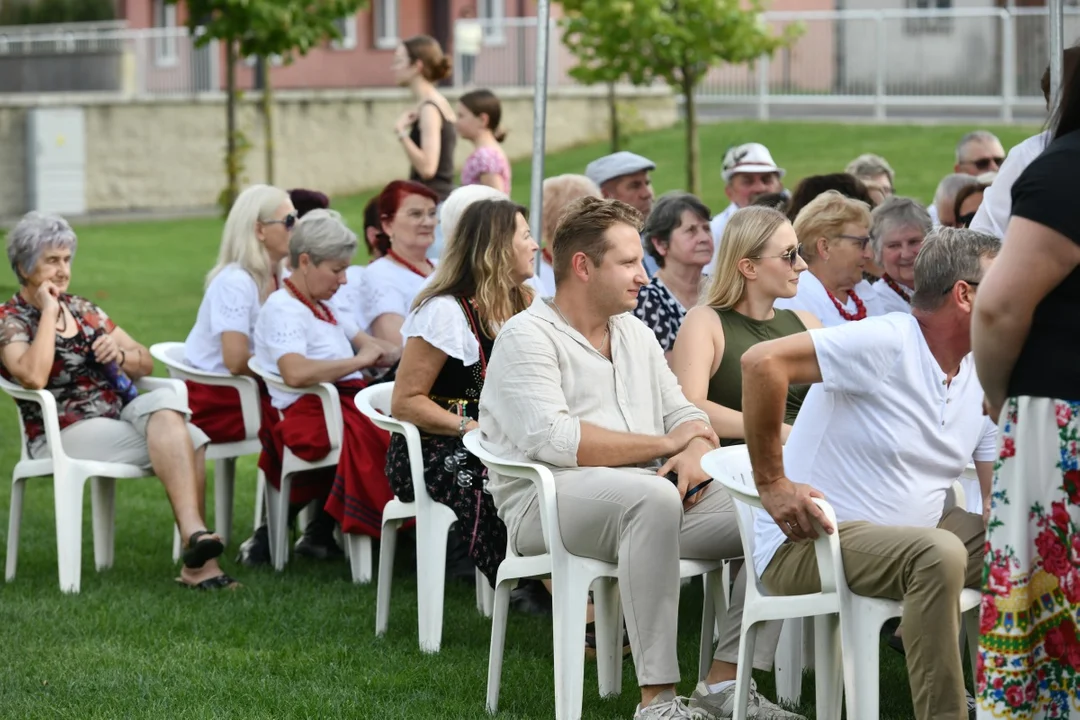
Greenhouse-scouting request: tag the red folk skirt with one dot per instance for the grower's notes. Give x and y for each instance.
(216, 411)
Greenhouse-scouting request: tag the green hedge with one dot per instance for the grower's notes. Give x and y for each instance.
(34, 12)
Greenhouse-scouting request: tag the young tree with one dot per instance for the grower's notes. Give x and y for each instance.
(676, 41)
(261, 28)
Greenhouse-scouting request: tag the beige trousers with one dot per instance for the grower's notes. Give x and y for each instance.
(926, 568)
(633, 518)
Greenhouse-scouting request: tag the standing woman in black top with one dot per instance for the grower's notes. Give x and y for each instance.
(1026, 340)
(426, 132)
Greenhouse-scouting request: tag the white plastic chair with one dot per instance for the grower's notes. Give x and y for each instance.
(839, 614)
(224, 455)
(433, 522)
(277, 499)
(69, 477)
(572, 576)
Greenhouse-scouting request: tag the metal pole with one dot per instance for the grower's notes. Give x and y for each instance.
(1057, 48)
(1008, 68)
(536, 200)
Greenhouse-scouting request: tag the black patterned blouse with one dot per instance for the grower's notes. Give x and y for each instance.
(658, 308)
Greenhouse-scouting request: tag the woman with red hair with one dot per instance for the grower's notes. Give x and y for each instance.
(407, 210)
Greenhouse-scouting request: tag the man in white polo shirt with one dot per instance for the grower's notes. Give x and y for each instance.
(893, 419)
(749, 172)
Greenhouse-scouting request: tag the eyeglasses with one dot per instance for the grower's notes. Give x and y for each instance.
(792, 256)
(970, 283)
(862, 240)
(289, 221)
(983, 164)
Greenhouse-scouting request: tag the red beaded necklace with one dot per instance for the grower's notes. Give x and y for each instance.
(896, 287)
(547, 256)
(407, 264)
(860, 309)
(320, 311)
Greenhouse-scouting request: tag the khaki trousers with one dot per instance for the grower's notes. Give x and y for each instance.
(926, 568)
(633, 518)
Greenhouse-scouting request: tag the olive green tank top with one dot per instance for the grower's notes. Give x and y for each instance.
(740, 333)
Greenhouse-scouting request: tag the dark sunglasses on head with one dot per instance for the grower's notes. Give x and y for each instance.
(964, 221)
(289, 221)
(792, 255)
(983, 164)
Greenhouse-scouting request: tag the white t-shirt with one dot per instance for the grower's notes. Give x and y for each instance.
(993, 214)
(441, 322)
(888, 299)
(882, 436)
(814, 298)
(346, 301)
(388, 288)
(717, 225)
(230, 304)
(546, 283)
(286, 325)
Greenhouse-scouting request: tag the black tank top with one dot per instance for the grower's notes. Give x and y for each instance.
(443, 182)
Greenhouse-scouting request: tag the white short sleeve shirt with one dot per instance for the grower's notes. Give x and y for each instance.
(230, 304)
(882, 436)
(889, 300)
(286, 325)
(814, 299)
(346, 304)
(388, 288)
(993, 215)
(441, 322)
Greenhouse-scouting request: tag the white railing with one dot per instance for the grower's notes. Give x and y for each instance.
(146, 62)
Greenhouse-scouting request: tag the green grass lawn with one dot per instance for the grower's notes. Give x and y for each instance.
(301, 644)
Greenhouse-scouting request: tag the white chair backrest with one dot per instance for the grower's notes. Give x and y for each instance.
(730, 466)
(374, 403)
(327, 393)
(14, 390)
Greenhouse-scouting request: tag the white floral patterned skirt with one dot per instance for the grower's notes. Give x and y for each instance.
(1029, 651)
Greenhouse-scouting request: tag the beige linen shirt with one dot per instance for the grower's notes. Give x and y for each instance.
(544, 379)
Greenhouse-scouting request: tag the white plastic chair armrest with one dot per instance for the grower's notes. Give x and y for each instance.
(326, 392)
(827, 549)
(49, 416)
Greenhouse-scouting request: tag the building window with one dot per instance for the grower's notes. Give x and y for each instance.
(929, 24)
(166, 35)
(492, 13)
(347, 27)
(385, 17)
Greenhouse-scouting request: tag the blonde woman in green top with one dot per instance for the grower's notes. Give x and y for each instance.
(759, 262)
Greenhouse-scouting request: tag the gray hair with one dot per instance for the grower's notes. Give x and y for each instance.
(666, 217)
(948, 256)
(949, 186)
(974, 136)
(870, 165)
(34, 234)
(323, 236)
(896, 213)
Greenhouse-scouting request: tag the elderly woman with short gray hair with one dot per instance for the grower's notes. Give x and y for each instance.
(678, 237)
(66, 345)
(897, 231)
(298, 336)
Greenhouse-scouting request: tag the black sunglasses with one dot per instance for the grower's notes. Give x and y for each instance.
(983, 164)
(289, 221)
(964, 221)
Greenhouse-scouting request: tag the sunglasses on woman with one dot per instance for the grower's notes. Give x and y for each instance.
(792, 255)
(289, 221)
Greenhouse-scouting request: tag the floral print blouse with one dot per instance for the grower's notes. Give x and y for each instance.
(76, 381)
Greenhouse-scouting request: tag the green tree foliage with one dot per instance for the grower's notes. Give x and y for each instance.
(674, 41)
(262, 28)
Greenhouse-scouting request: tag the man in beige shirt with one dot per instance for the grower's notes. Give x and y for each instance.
(580, 384)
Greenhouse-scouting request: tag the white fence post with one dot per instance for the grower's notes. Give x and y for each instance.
(879, 90)
(763, 87)
(1008, 65)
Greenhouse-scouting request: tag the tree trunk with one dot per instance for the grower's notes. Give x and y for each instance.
(232, 160)
(689, 82)
(613, 115)
(268, 118)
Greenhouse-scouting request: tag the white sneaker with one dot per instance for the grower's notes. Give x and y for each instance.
(665, 706)
(721, 705)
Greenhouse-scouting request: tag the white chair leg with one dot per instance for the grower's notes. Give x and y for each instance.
(387, 550)
(608, 633)
(68, 499)
(747, 642)
(485, 595)
(277, 517)
(498, 641)
(431, 579)
(359, 547)
(177, 543)
(828, 667)
(788, 665)
(103, 503)
(18, 489)
(224, 484)
(862, 664)
(571, 596)
(307, 514)
(260, 496)
(708, 623)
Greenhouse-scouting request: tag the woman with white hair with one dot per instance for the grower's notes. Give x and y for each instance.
(66, 345)
(559, 192)
(298, 336)
(834, 239)
(897, 231)
(876, 174)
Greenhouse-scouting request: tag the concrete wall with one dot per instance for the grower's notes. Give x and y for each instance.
(167, 155)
